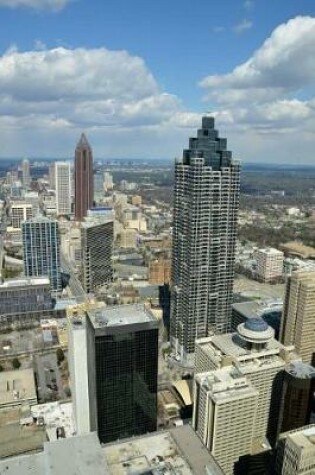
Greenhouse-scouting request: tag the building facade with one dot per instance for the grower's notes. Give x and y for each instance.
(296, 452)
(63, 188)
(206, 203)
(25, 295)
(20, 212)
(122, 362)
(26, 175)
(298, 321)
(269, 264)
(83, 179)
(41, 244)
(97, 237)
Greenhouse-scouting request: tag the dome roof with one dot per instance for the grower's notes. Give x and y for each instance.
(256, 324)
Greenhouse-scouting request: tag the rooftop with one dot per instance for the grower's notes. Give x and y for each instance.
(25, 282)
(304, 438)
(120, 315)
(176, 452)
(16, 387)
(255, 308)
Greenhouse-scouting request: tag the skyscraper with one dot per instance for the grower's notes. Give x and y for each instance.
(63, 188)
(83, 175)
(26, 177)
(97, 237)
(298, 320)
(114, 371)
(41, 250)
(206, 202)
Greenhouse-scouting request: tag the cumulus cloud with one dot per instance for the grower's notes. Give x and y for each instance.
(62, 89)
(55, 5)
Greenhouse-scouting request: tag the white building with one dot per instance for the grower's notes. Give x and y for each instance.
(296, 452)
(63, 188)
(269, 264)
(20, 212)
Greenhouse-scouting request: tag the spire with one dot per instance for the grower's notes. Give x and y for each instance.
(83, 142)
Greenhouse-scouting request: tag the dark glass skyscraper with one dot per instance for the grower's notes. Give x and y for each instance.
(122, 352)
(84, 181)
(206, 203)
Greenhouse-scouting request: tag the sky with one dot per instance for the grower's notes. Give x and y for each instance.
(137, 76)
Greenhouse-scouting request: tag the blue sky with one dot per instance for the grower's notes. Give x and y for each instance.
(137, 75)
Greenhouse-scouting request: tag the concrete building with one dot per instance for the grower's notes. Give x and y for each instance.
(25, 295)
(118, 396)
(83, 175)
(296, 452)
(298, 322)
(269, 310)
(20, 212)
(41, 244)
(159, 271)
(108, 181)
(63, 188)
(206, 202)
(97, 237)
(269, 264)
(26, 175)
(17, 388)
(256, 355)
(32, 198)
(52, 179)
(224, 415)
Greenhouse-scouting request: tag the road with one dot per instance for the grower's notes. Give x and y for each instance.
(75, 286)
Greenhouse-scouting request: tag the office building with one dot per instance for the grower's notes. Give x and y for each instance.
(25, 295)
(269, 264)
(51, 172)
(63, 188)
(118, 395)
(298, 321)
(296, 452)
(32, 198)
(41, 244)
(224, 415)
(297, 403)
(159, 271)
(97, 237)
(256, 355)
(83, 178)
(269, 310)
(206, 203)
(20, 212)
(108, 181)
(26, 176)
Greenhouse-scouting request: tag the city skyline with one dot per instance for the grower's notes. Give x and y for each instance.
(70, 72)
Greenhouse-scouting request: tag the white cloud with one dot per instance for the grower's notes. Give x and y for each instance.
(271, 95)
(244, 25)
(55, 5)
(61, 91)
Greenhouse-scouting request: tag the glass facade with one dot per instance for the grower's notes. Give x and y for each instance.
(126, 383)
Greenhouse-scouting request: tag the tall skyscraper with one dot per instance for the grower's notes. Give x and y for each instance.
(97, 238)
(26, 177)
(83, 175)
(296, 452)
(206, 203)
(41, 244)
(63, 188)
(114, 372)
(298, 320)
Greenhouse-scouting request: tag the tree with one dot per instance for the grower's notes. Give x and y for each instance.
(16, 363)
(1, 368)
(60, 355)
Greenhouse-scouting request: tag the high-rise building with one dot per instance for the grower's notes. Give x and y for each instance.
(41, 244)
(269, 264)
(52, 179)
(25, 295)
(26, 176)
(97, 237)
(63, 188)
(118, 395)
(296, 452)
(20, 212)
(206, 203)
(83, 175)
(224, 415)
(297, 403)
(298, 320)
(256, 355)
